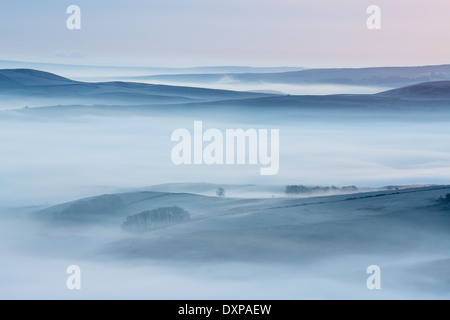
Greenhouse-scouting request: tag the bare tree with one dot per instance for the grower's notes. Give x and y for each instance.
(220, 192)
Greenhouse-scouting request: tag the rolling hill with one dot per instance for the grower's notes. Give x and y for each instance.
(37, 88)
(427, 90)
(386, 222)
(382, 76)
(49, 94)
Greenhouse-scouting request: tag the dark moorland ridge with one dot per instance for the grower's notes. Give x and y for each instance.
(38, 84)
(34, 84)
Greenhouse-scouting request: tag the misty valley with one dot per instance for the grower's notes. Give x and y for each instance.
(123, 180)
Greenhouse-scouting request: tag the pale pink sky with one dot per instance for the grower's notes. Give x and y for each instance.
(310, 33)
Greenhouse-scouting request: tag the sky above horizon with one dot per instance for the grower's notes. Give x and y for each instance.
(180, 33)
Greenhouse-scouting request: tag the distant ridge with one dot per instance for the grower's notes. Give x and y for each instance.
(30, 78)
(33, 88)
(139, 70)
(437, 89)
(380, 76)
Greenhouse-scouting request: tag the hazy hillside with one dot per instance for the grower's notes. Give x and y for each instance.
(427, 90)
(31, 78)
(384, 222)
(87, 71)
(25, 87)
(63, 96)
(390, 77)
(37, 88)
(323, 238)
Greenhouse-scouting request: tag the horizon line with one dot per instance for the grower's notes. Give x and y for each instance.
(217, 66)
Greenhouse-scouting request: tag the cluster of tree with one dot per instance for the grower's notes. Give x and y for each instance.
(445, 200)
(299, 189)
(155, 219)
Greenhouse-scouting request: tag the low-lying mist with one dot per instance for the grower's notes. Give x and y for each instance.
(279, 88)
(234, 246)
(35, 257)
(48, 159)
